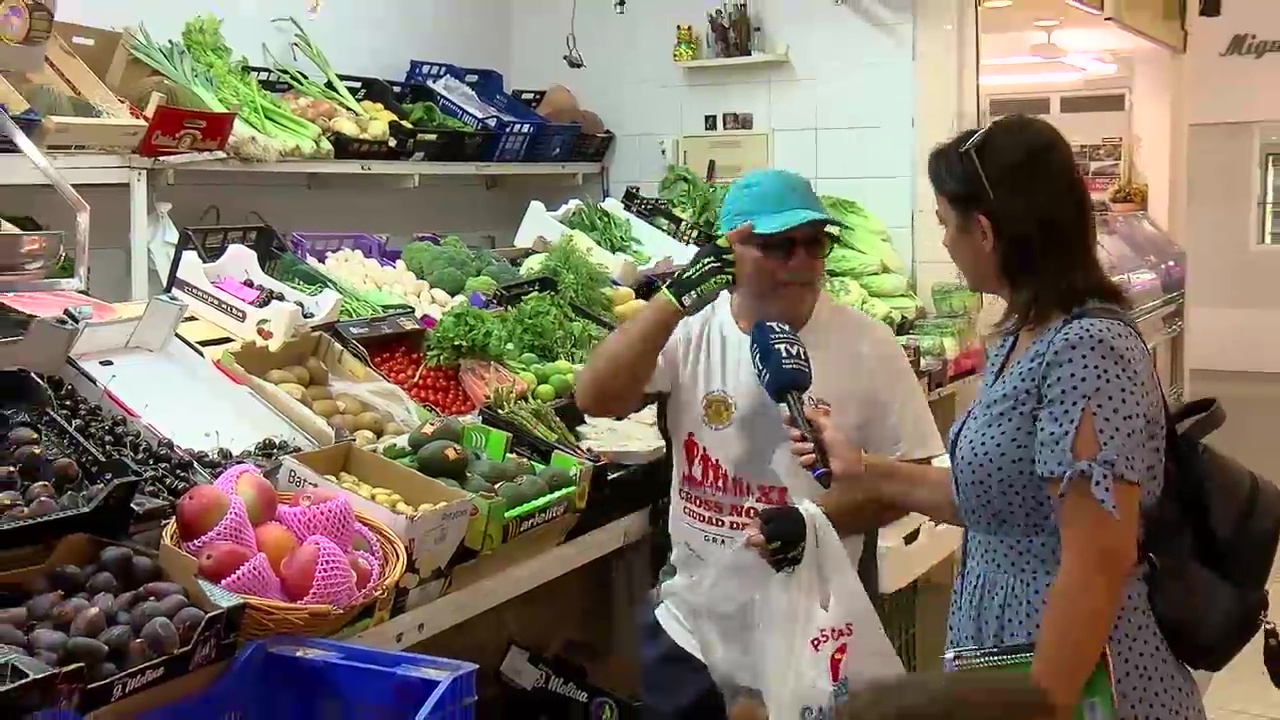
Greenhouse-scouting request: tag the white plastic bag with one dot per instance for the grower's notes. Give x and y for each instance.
(380, 396)
(161, 245)
(802, 638)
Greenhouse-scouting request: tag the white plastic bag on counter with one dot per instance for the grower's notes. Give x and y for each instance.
(162, 245)
(381, 396)
(802, 638)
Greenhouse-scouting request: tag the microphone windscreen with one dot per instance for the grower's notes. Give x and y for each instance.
(780, 360)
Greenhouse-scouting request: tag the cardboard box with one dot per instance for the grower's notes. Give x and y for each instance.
(430, 538)
(495, 523)
(249, 363)
(552, 688)
(214, 642)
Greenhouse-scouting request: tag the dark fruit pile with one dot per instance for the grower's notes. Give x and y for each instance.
(36, 479)
(267, 296)
(166, 472)
(264, 454)
(111, 615)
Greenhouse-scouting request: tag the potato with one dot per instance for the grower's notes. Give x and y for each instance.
(405, 509)
(349, 404)
(280, 377)
(393, 429)
(343, 422)
(370, 421)
(319, 392)
(325, 408)
(319, 373)
(364, 438)
(300, 374)
(348, 477)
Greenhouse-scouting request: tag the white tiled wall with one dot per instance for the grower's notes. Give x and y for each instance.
(841, 111)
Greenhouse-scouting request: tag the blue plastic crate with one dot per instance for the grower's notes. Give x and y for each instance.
(28, 121)
(512, 139)
(488, 82)
(554, 141)
(307, 678)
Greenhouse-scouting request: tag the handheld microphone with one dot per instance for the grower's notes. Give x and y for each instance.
(782, 365)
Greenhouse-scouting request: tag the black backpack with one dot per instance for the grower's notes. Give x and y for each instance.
(1210, 539)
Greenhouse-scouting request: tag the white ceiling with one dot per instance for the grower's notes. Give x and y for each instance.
(1010, 30)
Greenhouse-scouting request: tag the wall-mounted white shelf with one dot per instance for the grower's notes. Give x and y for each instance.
(763, 59)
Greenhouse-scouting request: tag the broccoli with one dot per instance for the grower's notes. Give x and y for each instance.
(501, 273)
(482, 284)
(448, 279)
(424, 259)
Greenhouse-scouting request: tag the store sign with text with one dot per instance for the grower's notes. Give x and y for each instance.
(1248, 45)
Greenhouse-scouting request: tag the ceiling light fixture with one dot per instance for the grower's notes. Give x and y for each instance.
(1031, 78)
(1047, 23)
(994, 4)
(1084, 7)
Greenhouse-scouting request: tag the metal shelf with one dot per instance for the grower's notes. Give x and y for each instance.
(77, 168)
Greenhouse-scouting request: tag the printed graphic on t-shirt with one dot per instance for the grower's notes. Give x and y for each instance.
(715, 502)
(717, 410)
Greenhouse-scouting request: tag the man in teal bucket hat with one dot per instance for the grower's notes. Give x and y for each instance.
(729, 449)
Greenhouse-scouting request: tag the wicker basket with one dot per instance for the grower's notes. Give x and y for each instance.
(263, 618)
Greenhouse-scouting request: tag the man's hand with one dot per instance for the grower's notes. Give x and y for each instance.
(708, 274)
(779, 536)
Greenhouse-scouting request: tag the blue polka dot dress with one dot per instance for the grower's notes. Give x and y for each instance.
(1017, 436)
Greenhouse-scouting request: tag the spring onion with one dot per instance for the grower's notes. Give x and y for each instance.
(302, 43)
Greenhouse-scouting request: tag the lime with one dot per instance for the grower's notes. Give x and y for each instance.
(544, 393)
(543, 372)
(561, 367)
(529, 360)
(528, 379)
(561, 384)
(573, 382)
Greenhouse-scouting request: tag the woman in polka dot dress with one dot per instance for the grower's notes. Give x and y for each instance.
(1065, 444)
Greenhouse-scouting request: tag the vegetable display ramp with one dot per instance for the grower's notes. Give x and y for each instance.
(235, 294)
(656, 247)
(151, 374)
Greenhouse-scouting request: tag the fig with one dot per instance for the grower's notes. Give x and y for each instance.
(158, 590)
(102, 671)
(70, 501)
(137, 654)
(85, 650)
(38, 490)
(126, 600)
(41, 606)
(117, 639)
(161, 637)
(172, 605)
(122, 617)
(144, 570)
(29, 459)
(10, 635)
(70, 579)
(89, 623)
(16, 513)
(67, 610)
(65, 471)
(16, 617)
(21, 436)
(42, 506)
(115, 560)
(47, 658)
(143, 614)
(104, 601)
(10, 499)
(51, 641)
(103, 581)
(187, 622)
(13, 649)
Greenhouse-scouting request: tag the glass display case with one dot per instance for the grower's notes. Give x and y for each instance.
(1151, 268)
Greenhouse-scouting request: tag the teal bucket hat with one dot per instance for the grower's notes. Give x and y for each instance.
(773, 201)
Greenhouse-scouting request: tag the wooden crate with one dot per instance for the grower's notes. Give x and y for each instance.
(64, 72)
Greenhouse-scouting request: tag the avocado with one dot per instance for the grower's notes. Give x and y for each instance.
(476, 454)
(513, 494)
(500, 472)
(534, 487)
(449, 429)
(420, 436)
(476, 484)
(482, 468)
(392, 451)
(556, 478)
(522, 465)
(443, 459)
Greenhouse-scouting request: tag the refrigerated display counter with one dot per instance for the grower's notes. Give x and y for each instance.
(1151, 268)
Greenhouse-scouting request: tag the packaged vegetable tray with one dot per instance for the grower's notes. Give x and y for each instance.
(438, 137)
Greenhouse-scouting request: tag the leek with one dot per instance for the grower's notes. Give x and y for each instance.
(302, 43)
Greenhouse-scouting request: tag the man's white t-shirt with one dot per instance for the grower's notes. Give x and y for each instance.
(730, 449)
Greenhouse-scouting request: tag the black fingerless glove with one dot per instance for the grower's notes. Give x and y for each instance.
(709, 273)
(783, 530)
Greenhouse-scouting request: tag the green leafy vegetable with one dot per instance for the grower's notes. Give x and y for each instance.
(691, 197)
(579, 279)
(546, 326)
(427, 115)
(607, 230)
(465, 331)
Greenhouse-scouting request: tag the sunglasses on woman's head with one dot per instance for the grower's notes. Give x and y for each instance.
(783, 246)
(970, 148)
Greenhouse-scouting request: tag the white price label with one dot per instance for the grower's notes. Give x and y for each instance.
(295, 480)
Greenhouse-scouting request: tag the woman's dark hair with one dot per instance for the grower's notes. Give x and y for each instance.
(1040, 213)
